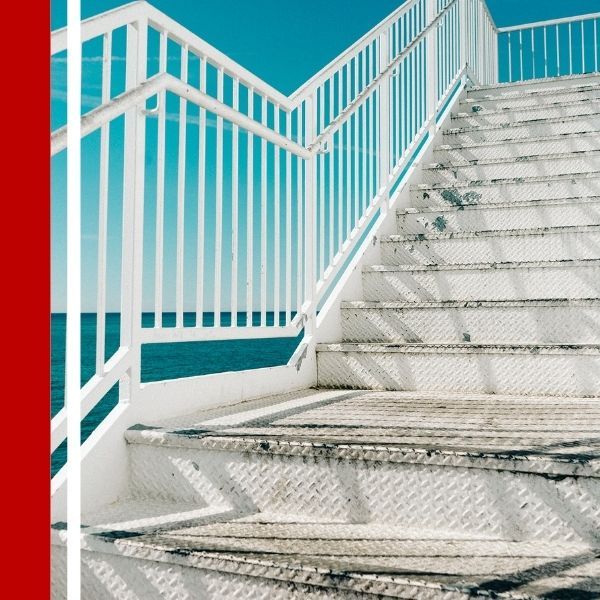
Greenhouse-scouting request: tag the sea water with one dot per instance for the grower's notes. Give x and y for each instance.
(159, 361)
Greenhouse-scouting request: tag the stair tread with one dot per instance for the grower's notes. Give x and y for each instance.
(554, 81)
(455, 235)
(365, 558)
(503, 111)
(513, 124)
(511, 160)
(529, 434)
(479, 266)
(559, 137)
(516, 204)
(507, 181)
(464, 348)
(559, 302)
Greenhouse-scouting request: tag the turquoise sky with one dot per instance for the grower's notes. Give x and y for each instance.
(284, 43)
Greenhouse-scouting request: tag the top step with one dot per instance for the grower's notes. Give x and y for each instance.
(533, 86)
(549, 97)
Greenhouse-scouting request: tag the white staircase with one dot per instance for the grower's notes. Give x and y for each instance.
(466, 461)
(492, 284)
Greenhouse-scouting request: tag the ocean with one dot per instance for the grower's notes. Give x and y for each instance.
(159, 361)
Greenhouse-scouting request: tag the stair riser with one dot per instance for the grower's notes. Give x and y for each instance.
(510, 248)
(510, 170)
(317, 488)
(481, 119)
(531, 101)
(528, 374)
(499, 325)
(518, 149)
(523, 131)
(507, 192)
(525, 88)
(466, 284)
(526, 217)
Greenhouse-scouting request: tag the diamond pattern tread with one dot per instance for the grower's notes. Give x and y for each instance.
(252, 559)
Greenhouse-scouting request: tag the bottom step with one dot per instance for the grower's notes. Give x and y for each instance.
(554, 370)
(251, 559)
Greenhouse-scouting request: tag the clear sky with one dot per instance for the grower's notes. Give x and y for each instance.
(284, 43)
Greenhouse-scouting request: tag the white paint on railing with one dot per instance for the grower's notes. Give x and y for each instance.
(366, 112)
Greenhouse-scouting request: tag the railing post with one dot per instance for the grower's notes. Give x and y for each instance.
(133, 210)
(464, 34)
(384, 119)
(432, 69)
(310, 230)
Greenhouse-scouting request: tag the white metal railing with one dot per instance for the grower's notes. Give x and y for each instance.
(284, 186)
(566, 46)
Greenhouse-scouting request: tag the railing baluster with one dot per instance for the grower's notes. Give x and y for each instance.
(218, 206)
(582, 48)
(277, 224)
(263, 219)
(545, 52)
(103, 209)
(160, 188)
(181, 164)
(201, 202)
(570, 48)
(330, 156)
(234, 207)
(557, 51)
(596, 45)
(532, 54)
(510, 70)
(249, 214)
(363, 148)
(521, 73)
(300, 293)
(348, 137)
(288, 221)
(340, 187)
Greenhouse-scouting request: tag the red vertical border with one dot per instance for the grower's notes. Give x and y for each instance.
(25, 316)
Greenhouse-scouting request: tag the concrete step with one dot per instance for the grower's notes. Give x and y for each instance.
(548, 97)
(553, 370)
(541, 146)
(480, 117)
(510, 245)
(501, 322)
(532, 87)
(486, 281)
(308, 561)
(501, 191)
(564, 163)
(424, 460)
(527, 214)
(522, 130)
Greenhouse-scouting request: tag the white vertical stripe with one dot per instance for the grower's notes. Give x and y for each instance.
(73, 323)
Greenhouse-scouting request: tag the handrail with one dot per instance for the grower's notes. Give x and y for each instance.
(550, 22)
(346, 114)
(164, 81)
(97, 25)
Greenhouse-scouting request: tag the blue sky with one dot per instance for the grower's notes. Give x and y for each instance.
(284, 46)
